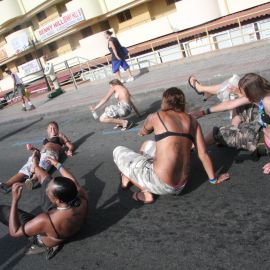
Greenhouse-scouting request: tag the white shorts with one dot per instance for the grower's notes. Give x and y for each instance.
(139, 168)
(43, 163)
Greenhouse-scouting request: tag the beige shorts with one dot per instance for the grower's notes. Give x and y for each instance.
(139, 168)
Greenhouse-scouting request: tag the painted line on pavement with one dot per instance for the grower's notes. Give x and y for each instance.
(26, 142)
(112, 132)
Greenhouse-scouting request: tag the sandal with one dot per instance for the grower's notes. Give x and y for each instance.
(206, 96)
(129, 125)
(136, 197)
(193, 86)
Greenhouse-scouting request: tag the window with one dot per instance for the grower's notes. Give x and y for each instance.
(104, 25)
(28, 57)
(41, 16)
(124, 16)
(53, 46)
(86, 32)
(61, 8)
(170, 2)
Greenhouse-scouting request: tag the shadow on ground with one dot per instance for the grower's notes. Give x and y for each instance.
(102, 217)
(222, 158)
(20, 129)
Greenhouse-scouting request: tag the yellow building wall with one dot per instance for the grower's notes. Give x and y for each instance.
(140, 14)
(63, 46)
(160, 8)
(52, 13)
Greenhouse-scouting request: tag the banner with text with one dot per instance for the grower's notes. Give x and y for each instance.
(54, 27)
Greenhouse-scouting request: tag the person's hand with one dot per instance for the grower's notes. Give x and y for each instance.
(198, 114)
(233, 89)
(17, 191)
(92, 108)
(53, 161)
(266, 168)
(69, 153)
(29, 146)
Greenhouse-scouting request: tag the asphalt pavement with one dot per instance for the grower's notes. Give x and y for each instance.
(206, 227)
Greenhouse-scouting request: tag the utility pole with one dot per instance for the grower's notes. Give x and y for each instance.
(40, 64)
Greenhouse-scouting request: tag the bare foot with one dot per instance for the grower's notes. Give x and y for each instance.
(143, 196)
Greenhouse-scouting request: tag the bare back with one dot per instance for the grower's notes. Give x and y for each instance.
(65, 222)
(172, 159)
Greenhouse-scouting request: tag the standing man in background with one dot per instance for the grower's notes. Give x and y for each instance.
(19, 87)
(119, 54)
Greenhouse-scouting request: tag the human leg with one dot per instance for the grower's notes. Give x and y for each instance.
(126, 67)
(116, 69)
(245, 136)
(17, 178)
(211, 89)
(104, 119)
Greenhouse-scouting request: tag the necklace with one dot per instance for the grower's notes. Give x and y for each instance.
(63, 208)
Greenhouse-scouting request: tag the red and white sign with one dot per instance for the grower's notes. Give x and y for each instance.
(54, 27)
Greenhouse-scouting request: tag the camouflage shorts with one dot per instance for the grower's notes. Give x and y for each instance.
(245, 136)
(116, 111)
(248, 113)
(139, 168)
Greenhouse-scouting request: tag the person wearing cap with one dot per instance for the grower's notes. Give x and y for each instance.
(20, 89)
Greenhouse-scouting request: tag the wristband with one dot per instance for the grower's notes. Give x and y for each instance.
(213, 180)
(58, 166)
(206, 111)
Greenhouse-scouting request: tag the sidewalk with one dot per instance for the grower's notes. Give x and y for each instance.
(210, 68)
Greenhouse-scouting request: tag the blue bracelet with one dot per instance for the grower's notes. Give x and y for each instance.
(213, 180)
(58, 166)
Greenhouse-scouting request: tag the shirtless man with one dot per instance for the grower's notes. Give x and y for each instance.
(64, 203)
(52, 147)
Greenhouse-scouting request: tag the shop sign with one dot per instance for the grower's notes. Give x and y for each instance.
(54, 27)
(29, 68)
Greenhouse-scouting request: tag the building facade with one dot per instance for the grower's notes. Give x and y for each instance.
(63, 29)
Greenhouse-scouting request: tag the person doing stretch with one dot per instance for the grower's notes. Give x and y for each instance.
(113, 113)
(155, 172)
(64, 210)
(53, 147)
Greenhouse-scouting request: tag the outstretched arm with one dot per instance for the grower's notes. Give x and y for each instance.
(202, 153)
(221, 107)
(103, 100)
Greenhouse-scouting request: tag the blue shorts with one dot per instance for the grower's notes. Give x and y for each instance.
(116, 64)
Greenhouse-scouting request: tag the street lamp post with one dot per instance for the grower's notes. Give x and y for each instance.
(40, 64)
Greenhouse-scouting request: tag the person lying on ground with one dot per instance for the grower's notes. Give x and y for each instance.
(255, 90)
(64, 204)
(53, 146)
(114, 113)
(155, 172)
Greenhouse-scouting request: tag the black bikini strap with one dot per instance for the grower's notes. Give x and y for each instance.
(162, 121)
(56, 232)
